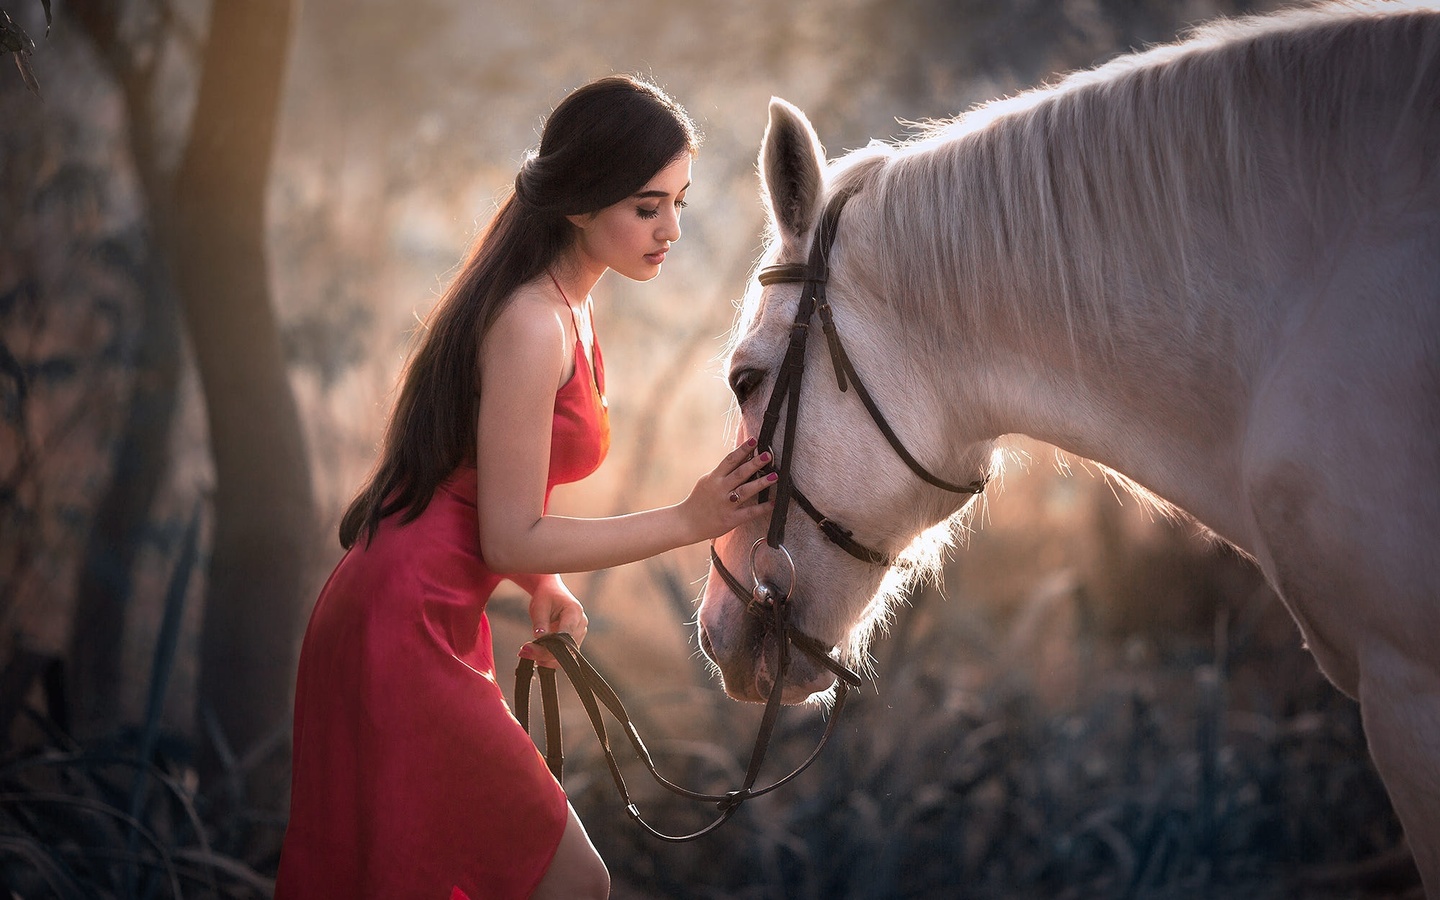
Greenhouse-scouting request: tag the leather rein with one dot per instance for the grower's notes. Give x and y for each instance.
(763, 600)
(595, 692)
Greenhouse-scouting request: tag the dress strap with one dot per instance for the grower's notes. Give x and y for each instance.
(591, 350)
(568, 306)
(579, 335)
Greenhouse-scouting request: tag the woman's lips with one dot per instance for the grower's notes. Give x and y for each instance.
(656, 258)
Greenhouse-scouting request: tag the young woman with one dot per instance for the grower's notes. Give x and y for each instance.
(411, 777)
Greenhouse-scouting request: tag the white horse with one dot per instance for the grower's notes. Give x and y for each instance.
(1213, 267)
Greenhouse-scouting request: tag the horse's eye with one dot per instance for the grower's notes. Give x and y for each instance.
(743, 383)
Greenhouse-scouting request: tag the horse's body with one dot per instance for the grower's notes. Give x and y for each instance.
(1212, 267)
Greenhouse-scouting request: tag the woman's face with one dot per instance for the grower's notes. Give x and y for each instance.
(633, 236)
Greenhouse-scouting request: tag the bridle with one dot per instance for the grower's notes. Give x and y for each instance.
(785, 395)
(763, 599)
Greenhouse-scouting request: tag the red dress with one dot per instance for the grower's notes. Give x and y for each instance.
(411, 778)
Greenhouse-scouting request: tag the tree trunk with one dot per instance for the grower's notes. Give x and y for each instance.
(122, 517)
(264, 511)
(209, 223)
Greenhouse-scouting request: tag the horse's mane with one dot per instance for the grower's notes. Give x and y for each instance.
(1138, 172)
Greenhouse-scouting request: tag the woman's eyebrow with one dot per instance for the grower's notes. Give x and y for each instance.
(644, 194)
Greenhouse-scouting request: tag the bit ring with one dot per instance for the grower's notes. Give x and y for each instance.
(764, 591)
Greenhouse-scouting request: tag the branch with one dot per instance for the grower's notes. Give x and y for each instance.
(13, 39)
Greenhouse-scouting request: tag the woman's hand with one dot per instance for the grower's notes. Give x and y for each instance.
(726, 498)
(554, 609)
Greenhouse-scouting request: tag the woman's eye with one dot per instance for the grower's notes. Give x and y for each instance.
(644, 213)
(743, 383)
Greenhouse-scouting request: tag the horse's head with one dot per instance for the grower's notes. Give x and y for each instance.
(839, 459)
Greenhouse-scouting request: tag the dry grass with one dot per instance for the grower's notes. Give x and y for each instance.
(1182, 767)
(121, 816)
(71, 826)
(1033, 751)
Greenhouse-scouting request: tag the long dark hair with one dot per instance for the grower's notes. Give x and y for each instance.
(600, 145)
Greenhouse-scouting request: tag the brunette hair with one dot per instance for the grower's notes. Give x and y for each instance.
(600, 145)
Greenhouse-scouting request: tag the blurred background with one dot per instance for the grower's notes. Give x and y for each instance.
(219, 230)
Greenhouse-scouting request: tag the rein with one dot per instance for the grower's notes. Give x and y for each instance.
(595, 692)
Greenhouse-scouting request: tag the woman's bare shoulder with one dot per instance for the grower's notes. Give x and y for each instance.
(530, 331)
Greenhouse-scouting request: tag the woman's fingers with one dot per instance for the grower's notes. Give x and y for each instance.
(747, 469)
(747, 490)
(576, 628)
(571, 620)
(742, 482)
(738, 456)
(551, 612)
(726, 497)
(743, 462)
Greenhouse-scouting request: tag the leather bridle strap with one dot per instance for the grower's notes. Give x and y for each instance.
(838, 534)
(786, 391)
(843, 368)
(594, 692)
(814, 275)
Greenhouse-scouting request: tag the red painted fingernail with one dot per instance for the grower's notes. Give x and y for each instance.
(772, 477)
(765, 457)
(750, 443)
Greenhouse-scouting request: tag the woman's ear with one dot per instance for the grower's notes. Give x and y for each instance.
(581, 220)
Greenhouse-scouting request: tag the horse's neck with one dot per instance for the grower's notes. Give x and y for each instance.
(1139, 379)
(1158, 401)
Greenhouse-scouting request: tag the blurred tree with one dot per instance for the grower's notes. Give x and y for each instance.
(122, 517)
(208, 220)
(71, 313)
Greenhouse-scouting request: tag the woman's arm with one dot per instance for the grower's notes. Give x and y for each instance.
(523, 362)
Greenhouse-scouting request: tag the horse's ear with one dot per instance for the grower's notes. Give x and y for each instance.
(791, 160)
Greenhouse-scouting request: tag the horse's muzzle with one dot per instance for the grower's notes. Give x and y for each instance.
(746, 650)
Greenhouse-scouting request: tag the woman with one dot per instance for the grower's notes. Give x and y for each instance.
(411, 777)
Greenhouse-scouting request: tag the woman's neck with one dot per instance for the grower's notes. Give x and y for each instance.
(574, 279)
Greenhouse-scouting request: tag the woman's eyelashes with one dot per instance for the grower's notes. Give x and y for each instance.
(652, 212)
